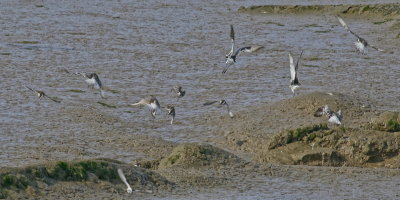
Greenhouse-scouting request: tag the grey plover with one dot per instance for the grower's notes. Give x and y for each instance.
(123, 179)
(93, 81)
(41, 94)
(232, 55)
(152, 103)
(294, 81)
(179, 91)
(221, 102)
(171, 112)
(333, 117)
(361, 43)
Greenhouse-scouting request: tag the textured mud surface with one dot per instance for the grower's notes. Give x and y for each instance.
(273, 148)
(368, 137)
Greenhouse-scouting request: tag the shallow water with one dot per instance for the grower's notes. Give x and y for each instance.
(146, 48)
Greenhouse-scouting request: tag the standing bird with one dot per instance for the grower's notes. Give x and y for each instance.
(150, 102)
(178, 90)
(221, 102)
(123, 179)
(41, 94)
(294, 81)
(231, 56)
(333, 117)
(93, 81)
(171, 112)
(361, 43)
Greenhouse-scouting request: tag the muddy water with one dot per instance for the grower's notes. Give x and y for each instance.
(147, 47)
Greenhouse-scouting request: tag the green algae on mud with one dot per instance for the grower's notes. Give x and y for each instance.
(300, 133)
(312, 25)
(28, 180)
(382, 22)
(387, 121)
(76, 91)
(186, 164)
(27, 42)
(358, 142)
(274, 23)
(312, 59)
(333, 147)
(311, 66)
(324, 31)
(106, 105)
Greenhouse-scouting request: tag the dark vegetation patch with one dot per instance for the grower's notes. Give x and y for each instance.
(106, 105)
(27, 179)
(300, 133)
(76, 91)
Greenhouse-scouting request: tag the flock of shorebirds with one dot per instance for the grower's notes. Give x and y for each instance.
(153, 104)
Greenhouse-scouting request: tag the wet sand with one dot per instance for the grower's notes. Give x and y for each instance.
(142, 49)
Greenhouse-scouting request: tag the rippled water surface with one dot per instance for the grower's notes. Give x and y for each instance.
(140, 48)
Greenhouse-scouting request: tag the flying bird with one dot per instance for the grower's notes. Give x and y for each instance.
(221, 102)
(294, 81)
(123, 179)
(232, 55)
(361, 43)
(171, 112)
(93, 81)
(41, 94)
(178, 90)
(152, 103)
(333, 117)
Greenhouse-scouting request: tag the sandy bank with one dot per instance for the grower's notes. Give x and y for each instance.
(287, 132)
(383, 10)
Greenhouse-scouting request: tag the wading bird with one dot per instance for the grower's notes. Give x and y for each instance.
(333, 117)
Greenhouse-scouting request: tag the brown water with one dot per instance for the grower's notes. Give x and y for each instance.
(147, 47)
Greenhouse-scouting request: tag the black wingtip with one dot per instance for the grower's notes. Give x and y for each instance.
(226, 69)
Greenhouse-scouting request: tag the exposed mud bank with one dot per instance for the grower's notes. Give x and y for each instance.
(356, 9)
(188, 168)
(388, 14)
(195, 164)
(367, 138)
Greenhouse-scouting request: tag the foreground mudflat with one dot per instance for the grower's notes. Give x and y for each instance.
(269, 147)
(195, 171)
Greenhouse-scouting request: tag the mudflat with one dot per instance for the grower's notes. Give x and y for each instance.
(273, 148)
